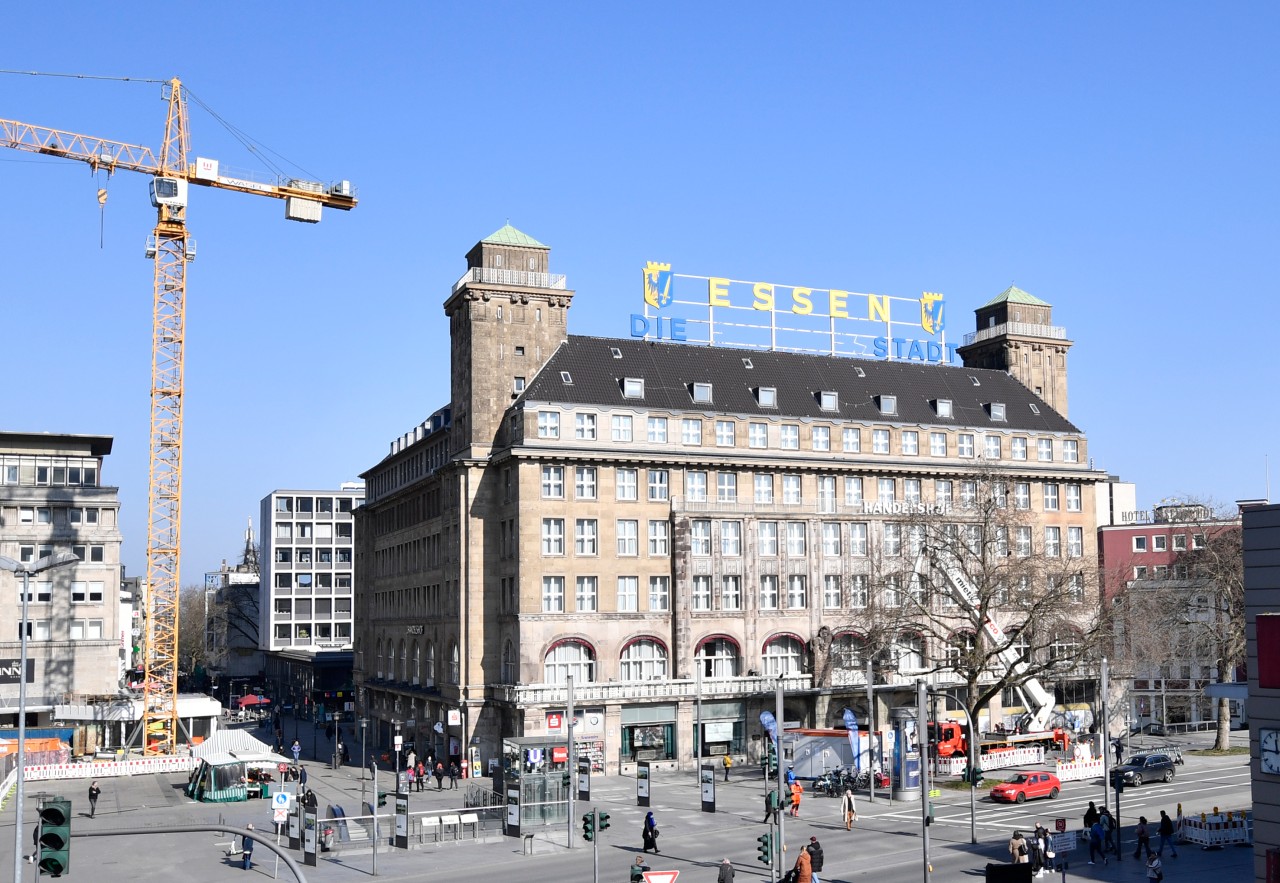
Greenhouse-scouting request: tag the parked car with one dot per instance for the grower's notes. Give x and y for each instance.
(1150, 767)
(1025, 785)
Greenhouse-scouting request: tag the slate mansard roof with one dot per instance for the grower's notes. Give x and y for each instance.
(669, 371)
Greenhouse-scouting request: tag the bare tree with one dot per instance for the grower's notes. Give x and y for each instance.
(192, 622)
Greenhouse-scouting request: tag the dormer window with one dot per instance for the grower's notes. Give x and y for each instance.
(746, 363)
(976, 381)
(996, 409)
(767, 396)
(888, 404)
(566, 378)
(615, 352)
(633, 387)
(702, 393)
(942, 407)
(829, 401)
(859, 372)
(1035, 409)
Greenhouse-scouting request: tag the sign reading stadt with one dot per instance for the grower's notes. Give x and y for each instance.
(729, 312)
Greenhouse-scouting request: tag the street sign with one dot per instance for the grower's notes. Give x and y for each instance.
(660, 876)
(280, 815)
(280, 800)
(1060, 824)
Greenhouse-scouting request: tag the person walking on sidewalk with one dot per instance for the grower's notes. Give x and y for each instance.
(1166, 834)
(422, 774)
(1090, 816)
(302, 777)
(439, 775)
(804, 867)
(770, 807)
(246, 848)
(1155, 868)
(1143, 833)
(1110, 836)
(728, 762)
(649, 834)
(1095, 843)
(94, 791)
(1018, 849)
(726, 872)
(848, 809)
(815, 857)
(454, 772)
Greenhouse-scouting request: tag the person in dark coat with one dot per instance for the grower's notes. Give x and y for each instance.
(649, 834)
(726, 872)
(454, 772)
(815, 858)
(246, 848)
(771, 806)
(439, 776)
(1091, 815)
(94, 791)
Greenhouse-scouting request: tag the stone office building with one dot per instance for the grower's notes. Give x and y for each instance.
(663, 522)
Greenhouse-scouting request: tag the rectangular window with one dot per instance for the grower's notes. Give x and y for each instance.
(553, 482)
(695, 486)
(700, 537)
(851, 440)
(725, 433)
(659, 593)
(1070, 451)
(791, 490)
(584, 426)
(767, 538)
(768, 592)
(942, 492)
(553, 536)
(702, 393)
(830, 539)
(911, 490)
(659, 538)
(998, 411)
(829, 401)
(892, 539)
(831, 591)
(730, 593)
(763, 488)
(657, 427)
(691, 432)
(1139, 544)
(626, 484)
(937, 444)
(1022, 541)
(964, 444)
(584, 482)
(797, 592)
(888, 404)
(853, 491)
(659, 484)
(1197, 541)
(586, 535)
(1179, 542)
(727, 487)
(1159, 543)
(620, 427)
(790, 437)
(758, 435)
(1073, 498)
(991, 447)
(1044, 449)
(858, 539)
(879, 441)
(1021, 495)
(826, 493)
(767, 396)
(553, 594)
(629, 538)
(797, 546)
(1053, 542)
(1051, 498)
(633, 387)
(821, 438)
(700, 598)
(548, 424)
(910, 443)
(858, 590)
(585, 597)
(1075, 542)
(886, 490)
(731, 538)
(628, 594)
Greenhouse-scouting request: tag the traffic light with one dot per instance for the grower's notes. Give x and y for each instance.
(928, 819)
(382, 798)
(589, 826)
(603, 818)
(765, 849)
(55, 837)
(771, 760)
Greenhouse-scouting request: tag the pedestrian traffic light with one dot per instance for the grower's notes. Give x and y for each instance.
(976, 777)
(604, 820)
(765, 849)
(589, 826)
(55, 837)
(382, 798)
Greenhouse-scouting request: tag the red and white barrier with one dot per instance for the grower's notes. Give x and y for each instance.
(1075, 770)
(1217, 829)
(109, 769)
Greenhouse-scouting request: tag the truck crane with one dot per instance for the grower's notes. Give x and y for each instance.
(1034, 729)
(170, 248)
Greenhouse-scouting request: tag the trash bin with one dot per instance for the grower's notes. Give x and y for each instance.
(334, 761)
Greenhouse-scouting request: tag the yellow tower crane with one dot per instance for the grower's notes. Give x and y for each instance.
(170, 248)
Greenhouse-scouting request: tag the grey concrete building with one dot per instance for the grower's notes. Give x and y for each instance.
(1262, 618)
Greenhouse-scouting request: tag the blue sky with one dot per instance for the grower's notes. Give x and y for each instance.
(1116, 160)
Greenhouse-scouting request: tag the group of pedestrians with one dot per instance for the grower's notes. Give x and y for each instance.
(1104, 837)
(1036, 851)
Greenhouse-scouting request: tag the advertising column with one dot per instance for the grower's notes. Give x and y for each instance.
(513, 810)
(584, 779)
(707, 775)
(402, 820)
(642, 783)
(309, 837)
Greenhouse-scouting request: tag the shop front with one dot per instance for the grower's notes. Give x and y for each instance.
(723, 729)
(588, 733)
(648, 734)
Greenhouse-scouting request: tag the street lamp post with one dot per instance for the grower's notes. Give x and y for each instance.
(48, 562)
(364, 724)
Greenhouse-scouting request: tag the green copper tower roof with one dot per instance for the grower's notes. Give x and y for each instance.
(1014, 295)
(509, 235)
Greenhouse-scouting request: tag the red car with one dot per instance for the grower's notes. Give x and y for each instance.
(1025, 785)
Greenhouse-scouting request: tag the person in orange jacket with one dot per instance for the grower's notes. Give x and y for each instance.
(804, 867)
(797, 791)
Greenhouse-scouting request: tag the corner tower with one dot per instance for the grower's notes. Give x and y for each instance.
(507, 315)
(1016, 334)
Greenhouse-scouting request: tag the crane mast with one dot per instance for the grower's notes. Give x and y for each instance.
(170, 249)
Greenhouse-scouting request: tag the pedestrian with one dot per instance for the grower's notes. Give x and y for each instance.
(422, 774)
(849, 809)
(726, 872)
(439, 775)
(344, 752)
(1110, 838)
(1036, 848)
(1018, 852)
(412, 773)
(246, 848)
(296, 748)
(1155, 868)
(649, 834)
(770, 807)
(1166, 834)
(328, 732)
(1090, 816)
(797, 791)
(728, 763)
(454, 772)
(94, 791)
(302, 777)
(791, 776)
(1143, 833)
(1096, 842)
(638, 867)
(1119, 746)
(411, 760)
(815, 857)
(804, 867)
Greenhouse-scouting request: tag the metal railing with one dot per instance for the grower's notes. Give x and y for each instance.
(520, 278)
(541, 694)
(1028, 329)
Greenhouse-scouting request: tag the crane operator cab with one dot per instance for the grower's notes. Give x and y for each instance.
(170, 192)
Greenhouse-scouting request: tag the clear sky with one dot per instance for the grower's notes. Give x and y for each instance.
(1115, 160)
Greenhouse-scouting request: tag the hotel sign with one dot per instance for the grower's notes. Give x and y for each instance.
(729, 312)
(11, 669)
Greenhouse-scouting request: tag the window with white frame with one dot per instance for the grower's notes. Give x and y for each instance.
(859, 590)
(858, 539)
(782, 656)
(826, 493)
(727, 487)
(853, 491)
(553, 536)
(659, 484)
(628, 594)
(695, 486)
(964, 444)
(553, 594)
(657, 429)
(1022, 495)
(767, 397)
(888, 404)
(911, 490)
(1139, 544)
(831, 591)
(702, 393)
(643, 659)
(1073, 498)
(553, 482)
(1075, 542)
(1044, 450)
(763, 483)
(725, 430)
(548, 424)
(821, 438)
(830, 539)
(659, 538)
(910, 443)
(758, 435)
(1159, 543)
(886, 490)
(584, 482)
(628, 537)
(1001, 540)
(791, 489)
(1064, 648)
(851, 440)
(879, 441)
(1022, 541)
(718, 658)
(1075, 587)
(893, 596)
(584, 426)
(1070, 451)
(700, 594)
(659, 593)
(892, 539)
(908, 651)
(690, 431)
(942, 407)
(621, 427)
(1197, 541)
(1052, 541)
(797, 535)
(991, 447)
(767, 538)
(731, 539)
(566, 659)
(731, 592)
(768, 591)
(626, 483)
(633, 387)
(1018, 448)
(943, 492)
(829, 401)
(700, 537)
(584, 598)
(1179, 542)
(1051, 498)
(789, 436)
(585, 537)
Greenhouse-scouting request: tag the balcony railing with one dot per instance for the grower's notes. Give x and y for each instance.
(518, 278)
(1026, 329)
(672, 690)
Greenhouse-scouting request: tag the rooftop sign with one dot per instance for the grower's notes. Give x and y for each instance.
(728, 312)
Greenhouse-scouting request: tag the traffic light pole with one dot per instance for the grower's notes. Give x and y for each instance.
(595, 850)
(778, 712)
